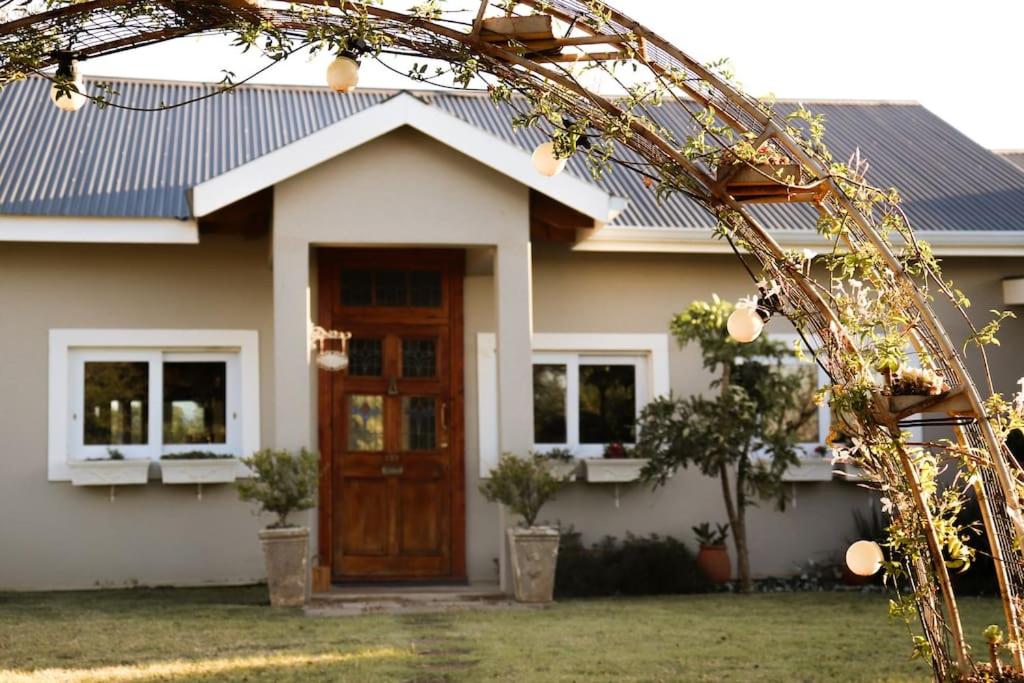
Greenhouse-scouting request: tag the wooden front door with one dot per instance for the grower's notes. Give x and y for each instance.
(391, 496)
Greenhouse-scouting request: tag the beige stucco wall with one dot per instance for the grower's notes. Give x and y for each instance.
(55, 535)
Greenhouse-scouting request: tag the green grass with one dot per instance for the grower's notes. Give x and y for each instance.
(230, 635)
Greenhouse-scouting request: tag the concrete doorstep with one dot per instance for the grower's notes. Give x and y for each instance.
(352, 601)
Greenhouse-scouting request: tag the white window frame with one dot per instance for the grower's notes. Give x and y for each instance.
(648, 352)
(71, 348)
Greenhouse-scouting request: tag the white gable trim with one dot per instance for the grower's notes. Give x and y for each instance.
(84, 229)
(635, 239)
(401, 110)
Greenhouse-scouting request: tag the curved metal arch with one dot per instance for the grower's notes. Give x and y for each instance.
(597, 33)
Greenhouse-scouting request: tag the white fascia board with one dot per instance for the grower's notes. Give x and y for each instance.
(702, 241)
(373, 122)
(92, 229)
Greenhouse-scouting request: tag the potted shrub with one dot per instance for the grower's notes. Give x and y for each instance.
(198, 467)
(713, 558)
(525, 485)
(283, 483)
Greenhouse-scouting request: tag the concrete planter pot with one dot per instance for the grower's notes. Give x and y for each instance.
(533, 553)
(285, 553)
(714, 563)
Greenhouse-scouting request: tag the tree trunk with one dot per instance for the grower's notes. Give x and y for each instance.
(737, 512)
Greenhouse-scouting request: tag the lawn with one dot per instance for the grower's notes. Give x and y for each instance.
(229, 635)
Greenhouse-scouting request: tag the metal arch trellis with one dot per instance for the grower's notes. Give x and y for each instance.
(547, 71)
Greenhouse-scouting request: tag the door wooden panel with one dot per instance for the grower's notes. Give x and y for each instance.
(391, 432)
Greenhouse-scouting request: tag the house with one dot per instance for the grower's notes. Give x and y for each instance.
(161, 274)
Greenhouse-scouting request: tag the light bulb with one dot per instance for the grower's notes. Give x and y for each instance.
(343, 74)
(745, 324)
(864, 558)
(545, 161)
(73, 98)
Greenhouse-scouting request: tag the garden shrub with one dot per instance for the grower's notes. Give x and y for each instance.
(649, 565)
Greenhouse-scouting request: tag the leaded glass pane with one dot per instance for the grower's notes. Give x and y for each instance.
(425, 288)
(365, 357)
(116, 403)
(419, 358)
(549, 386)
(365, 423)
(419, 424)
(607, 404)
(357, 287)
(392, 288)
(195, 402)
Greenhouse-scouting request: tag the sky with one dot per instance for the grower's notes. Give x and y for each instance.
(961, 60)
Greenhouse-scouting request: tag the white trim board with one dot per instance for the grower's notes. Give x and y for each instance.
(62, 341)
(654, 346)
(92, 229)
(639, 239)
(401, 110)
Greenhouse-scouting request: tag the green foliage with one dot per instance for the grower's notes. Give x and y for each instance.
(284, 482)
(707, 536)
(196, 455)
(524, 484)
(651, 565)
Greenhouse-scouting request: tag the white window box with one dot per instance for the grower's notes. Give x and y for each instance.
(809, 469)
(201, 471)
(613, 470)
(109, 472)
(565, 470)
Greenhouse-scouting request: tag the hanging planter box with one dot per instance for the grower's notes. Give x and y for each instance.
(200, 471)
(809, 469)
(522, 29)
(1013, 291)
(946, 403)
(566, 471)
(613, 470)
(757, 175)
(109, 472)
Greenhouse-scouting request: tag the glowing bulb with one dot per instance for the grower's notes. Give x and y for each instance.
(864, 558)
(343, 74)
(332, 361)
(70, 81)
(545, 161)
(745, 324)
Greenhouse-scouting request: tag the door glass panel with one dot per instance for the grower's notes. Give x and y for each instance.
(357, 287)
(195, 402)
(425, 288)
(365, 357)
(419, 424)
(365, 423)
(607, 403)
(549, 385)
(419, 358)
(116, 403)
(392, 288)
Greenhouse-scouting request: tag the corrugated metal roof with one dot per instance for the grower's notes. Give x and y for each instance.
(112, 162)
(1016, 157)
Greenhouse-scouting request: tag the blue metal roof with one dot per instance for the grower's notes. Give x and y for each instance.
(117, 163)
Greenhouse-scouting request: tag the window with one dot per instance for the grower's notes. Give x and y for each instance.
(813, 432)
(587, 390)
(147, 393)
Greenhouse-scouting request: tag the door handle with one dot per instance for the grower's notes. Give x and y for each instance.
(444, 424)
(391, 470)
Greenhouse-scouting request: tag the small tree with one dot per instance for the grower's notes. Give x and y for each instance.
(757, 412)
(523, 484)
(285, 482)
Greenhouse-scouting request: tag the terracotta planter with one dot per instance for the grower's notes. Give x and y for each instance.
(533, 553)
(284, 551)
(714, 562)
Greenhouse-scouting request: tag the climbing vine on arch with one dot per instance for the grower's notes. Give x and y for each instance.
(863, 305)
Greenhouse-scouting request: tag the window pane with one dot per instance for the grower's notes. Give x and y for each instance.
(419, 358)
(425, 289)
(365, 423)
(419, 424)
(807, 411)
(195, 402)
(392, 288)
(365, 358)
(607, 403)
(116, 403)
(356, 287)
(549, 404)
